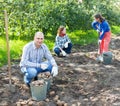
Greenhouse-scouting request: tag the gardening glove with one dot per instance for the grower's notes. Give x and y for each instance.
(99, 41)
(97, 30)
(66, 45)
(23, 69)
(43, 66)
(63, 52)
(54, 71)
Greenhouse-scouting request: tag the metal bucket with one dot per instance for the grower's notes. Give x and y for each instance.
(39, 92)
(48, 80)
(107, 58)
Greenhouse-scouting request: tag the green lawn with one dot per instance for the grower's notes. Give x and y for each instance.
(15, 50)
(77, 37)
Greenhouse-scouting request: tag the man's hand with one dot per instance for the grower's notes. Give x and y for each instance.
(54, 71)
(66, 45)
(43, 66)
(23, 69)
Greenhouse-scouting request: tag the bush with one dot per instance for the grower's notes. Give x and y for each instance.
(28, 16)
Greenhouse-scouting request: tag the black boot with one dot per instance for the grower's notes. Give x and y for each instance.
(28, 85)
(35, 78)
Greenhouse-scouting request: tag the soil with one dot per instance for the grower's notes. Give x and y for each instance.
(82, 81)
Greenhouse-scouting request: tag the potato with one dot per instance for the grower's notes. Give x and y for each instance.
(47, 74)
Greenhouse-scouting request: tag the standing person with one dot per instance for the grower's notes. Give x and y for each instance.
(32, 59)
(62, 42)
(103, 28)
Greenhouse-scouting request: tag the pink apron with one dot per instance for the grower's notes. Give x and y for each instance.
(105, 42)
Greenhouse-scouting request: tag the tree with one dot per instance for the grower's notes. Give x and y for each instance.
(28, 16)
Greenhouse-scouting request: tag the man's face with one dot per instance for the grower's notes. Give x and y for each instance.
(38, 39)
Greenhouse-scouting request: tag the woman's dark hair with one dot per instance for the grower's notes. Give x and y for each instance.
(100, 17)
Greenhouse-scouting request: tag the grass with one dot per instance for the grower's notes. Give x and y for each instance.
(15, 50)
(116, 30)
(3, 51)
(78, 37)
(83, 37)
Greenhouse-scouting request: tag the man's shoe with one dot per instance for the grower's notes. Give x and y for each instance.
(28, 85)
(35, 78)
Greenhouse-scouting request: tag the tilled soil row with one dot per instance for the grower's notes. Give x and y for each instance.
(81, 81)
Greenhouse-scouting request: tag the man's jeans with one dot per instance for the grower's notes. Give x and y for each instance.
(31, 72)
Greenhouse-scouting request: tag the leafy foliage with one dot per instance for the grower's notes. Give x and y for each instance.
(28, 16)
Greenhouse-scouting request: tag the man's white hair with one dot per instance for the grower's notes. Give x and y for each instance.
(39, 33)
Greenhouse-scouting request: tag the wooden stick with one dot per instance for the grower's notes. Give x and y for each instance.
(8, 49)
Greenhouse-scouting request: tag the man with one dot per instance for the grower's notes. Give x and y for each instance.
(36, 58)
